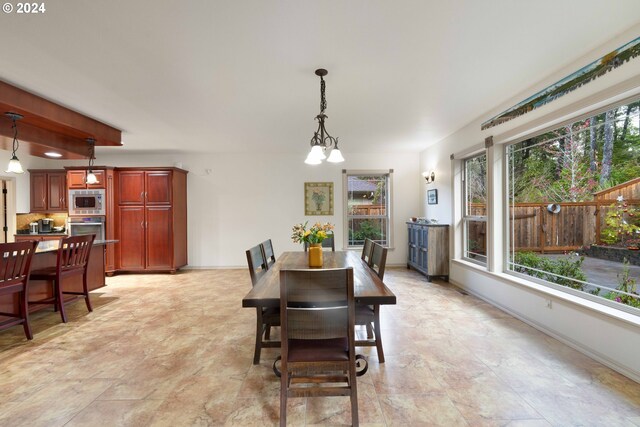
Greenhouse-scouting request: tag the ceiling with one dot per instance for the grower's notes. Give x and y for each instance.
(238, 76)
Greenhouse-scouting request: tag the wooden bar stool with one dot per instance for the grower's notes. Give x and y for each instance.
(73, 256)
(15, 265)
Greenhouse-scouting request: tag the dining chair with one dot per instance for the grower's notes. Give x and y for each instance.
(369, 315)
(15, 267)
(269, 255)
(265, 317)
(317, 314)
(72, 260)
(329, 242)
(366, 250)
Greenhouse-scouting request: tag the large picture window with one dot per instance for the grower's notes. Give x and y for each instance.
(475, 208)
(367, 203)
(574, 206)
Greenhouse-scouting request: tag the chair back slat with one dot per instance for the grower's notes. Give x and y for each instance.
(73, 253)
(269, 255)
(378, 259)
(257, 263)
(318, 303)
(15, 262)
(366, 250)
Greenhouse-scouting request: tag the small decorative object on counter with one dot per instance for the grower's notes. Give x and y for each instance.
(314, 237)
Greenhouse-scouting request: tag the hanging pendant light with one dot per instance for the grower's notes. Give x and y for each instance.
(91, 177)
(14, 163)
(322, 141)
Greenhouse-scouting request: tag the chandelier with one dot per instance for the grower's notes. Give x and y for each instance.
(322, 141)
(91, 177)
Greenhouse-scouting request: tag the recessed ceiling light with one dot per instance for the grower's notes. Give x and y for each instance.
(52, 154)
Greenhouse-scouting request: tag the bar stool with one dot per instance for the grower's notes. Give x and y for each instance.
(15, 265)
(72, 260)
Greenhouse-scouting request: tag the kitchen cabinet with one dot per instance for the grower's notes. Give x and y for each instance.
(429, 249)
(48, 190)
(151, 219)
(76, 179)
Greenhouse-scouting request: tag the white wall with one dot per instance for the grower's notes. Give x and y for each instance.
(610, 336)
(246, 199)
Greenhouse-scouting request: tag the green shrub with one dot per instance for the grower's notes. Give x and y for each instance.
(551, 269)
(628, 285)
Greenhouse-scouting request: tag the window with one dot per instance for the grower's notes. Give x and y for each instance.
(367, 204)
(574, 206)
(475, 208)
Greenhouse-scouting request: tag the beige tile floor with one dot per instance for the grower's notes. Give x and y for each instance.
(166, 350)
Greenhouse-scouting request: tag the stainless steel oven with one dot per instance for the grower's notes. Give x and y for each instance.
(87, 225)
(86, 202)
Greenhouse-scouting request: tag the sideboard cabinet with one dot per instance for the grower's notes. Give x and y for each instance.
(429, 249)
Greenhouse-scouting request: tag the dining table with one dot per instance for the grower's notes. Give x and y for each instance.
(368, 289)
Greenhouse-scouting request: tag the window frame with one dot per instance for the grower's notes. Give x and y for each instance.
(468, 219)
(508, 264)
(388, 174)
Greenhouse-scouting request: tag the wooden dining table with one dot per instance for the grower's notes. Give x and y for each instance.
(367, 286)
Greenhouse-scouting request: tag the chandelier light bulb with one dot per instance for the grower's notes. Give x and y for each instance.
(14, 166)
(335, 156)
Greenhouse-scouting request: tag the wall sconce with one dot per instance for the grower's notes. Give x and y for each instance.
(429, 177)
(14, 162)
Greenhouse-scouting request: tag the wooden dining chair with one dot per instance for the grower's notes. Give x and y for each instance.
(269, 255)
(369, 315)
(72, 260)
(317, 314)
(265, 317)
(366, 250)
(329, 242)
(15, 267)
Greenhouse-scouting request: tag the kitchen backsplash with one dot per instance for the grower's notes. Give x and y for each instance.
(23, 220)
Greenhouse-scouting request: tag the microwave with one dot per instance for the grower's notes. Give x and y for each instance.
(86, 202)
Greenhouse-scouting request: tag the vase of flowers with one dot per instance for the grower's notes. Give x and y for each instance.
(313, 236)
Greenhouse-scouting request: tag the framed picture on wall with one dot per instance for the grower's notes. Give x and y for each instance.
(318, 198)
(432, 197)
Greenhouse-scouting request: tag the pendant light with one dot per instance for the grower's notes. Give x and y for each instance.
(91, 177)
(322, 141)
(14, 163)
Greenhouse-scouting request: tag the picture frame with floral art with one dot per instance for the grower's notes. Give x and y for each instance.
(318, 198)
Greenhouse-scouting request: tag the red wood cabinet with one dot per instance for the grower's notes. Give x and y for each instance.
(48, 190)
(132, 238)
(151, 219)
(76, 179)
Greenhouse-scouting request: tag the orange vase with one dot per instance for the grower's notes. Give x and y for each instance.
(315, 255)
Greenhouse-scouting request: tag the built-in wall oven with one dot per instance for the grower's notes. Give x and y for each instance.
(87, 225)
(86, 202)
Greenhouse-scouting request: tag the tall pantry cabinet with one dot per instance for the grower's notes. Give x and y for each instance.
(151, 219)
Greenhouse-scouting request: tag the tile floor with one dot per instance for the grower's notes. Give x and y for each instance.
(164, 350)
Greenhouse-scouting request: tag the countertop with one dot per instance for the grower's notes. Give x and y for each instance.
(52, 245)
(42, 234)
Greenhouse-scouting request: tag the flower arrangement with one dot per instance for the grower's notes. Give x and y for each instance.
(315, 234)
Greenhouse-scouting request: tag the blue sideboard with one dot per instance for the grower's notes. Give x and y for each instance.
(429, 249)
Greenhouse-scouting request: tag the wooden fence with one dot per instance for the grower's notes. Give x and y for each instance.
(368, 210)
(534, 228)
